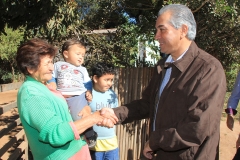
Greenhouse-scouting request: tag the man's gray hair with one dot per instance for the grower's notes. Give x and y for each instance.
(181, 14)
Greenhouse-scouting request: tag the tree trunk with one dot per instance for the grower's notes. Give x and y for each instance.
(13, 73)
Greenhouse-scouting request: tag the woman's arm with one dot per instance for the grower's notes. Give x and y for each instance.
(88, 121)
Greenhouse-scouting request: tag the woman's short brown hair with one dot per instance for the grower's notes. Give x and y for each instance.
(29, 54)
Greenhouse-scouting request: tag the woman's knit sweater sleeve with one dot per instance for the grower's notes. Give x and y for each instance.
(49, 118)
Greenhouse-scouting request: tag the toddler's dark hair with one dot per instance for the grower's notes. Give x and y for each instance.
(101, 68)
(70, 42)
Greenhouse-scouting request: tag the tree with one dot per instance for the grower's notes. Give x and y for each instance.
(218, 31)
(53, 19)
(56, 20)
(8, 49)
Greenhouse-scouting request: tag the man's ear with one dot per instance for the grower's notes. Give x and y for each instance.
(65, 54)
(184, 31)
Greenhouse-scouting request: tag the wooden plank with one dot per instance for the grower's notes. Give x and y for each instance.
(10, 86)
(8, 97)
(126, 81)
(130, 84)
(7, 107)
(143, 79)
(124, 144)
(10, 142)
(140, 140)
(115, 82)
(135, 83)
(134, 140)
(9, 127)
(18, 151)
(120, 141)
(25, 155)
(140, 79)
(121, 86)
(5, 144)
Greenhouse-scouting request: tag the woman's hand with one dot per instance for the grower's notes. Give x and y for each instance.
(98, 117)
(238, 142)
(88, 121)
(86, 111)
(110, 119)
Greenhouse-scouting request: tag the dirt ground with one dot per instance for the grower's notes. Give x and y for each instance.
(227, 138)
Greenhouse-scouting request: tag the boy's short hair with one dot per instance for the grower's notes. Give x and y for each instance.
(71, 42)
(101, 68)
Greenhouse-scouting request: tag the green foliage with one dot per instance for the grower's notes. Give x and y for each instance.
(218, 28)
(119, 48)
(231, 75)
(237, 116)
(9, 42)
(58, 20)
(8, 49)
(102, 14)
(218, 31)
(62, 20)
(53, 19)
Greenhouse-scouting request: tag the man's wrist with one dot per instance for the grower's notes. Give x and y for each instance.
(231, 111)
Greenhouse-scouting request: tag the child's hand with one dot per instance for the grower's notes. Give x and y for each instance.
(88, 96)
(52, 85)
(86, 111)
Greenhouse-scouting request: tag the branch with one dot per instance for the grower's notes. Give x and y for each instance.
(200, 6)
(135, 8)
(202, 29)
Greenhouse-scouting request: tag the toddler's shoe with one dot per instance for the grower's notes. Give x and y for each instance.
(91, 138)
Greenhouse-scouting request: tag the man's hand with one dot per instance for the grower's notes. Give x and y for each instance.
(238, 142)
(230, 121)
(109, 117)
(85, 112)
(147, 151)
(88, 96)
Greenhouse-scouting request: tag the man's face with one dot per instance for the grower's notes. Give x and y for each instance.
(167, 36)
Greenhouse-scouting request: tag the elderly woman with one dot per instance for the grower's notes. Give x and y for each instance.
(49, 128)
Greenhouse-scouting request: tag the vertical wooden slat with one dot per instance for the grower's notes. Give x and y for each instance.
(143, 79)
(115, 82)
(135, 84)
(125, 86)
(121, 86)
(135, 140)
(131, 83)
(140, 80)
(26, 149)
(130, 86)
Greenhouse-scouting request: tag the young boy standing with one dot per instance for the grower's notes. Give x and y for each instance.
(103, 96)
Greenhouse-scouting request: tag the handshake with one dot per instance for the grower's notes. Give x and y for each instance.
(109, 119)
(104, 117)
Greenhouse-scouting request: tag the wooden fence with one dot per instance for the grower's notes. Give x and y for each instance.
(128, 85)
(13, 142)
